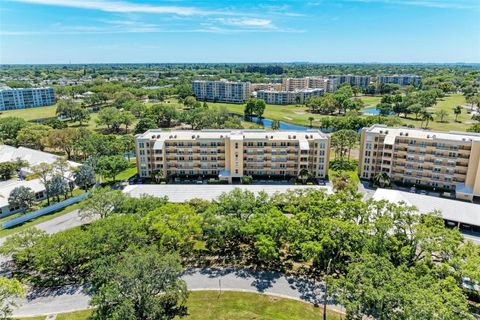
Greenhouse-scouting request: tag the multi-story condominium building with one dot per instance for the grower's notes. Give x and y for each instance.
(292, 84)
(221, 91)
(231, 154)
(288, 97)
(402, 79)
(448, 161)
(353, 80)
(265, 86)
(21, 98)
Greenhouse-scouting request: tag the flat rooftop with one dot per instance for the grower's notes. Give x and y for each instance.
(158, 134)
(424, 134)
(6, 188)
(452, 210)
(182, 192)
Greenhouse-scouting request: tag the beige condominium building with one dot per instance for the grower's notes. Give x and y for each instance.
(232, 154)
(448, 161)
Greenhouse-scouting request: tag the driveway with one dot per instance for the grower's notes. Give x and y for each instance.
(67, 299)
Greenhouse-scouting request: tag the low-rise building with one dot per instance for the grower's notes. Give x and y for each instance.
(446, 161)
(232, 154)
(402, 79)
(221, 91)
(22, 98)
(288, 97)
(32, 156)
(6, 187)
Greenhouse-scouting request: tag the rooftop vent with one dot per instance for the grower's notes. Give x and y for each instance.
(386, 132)
(271, 137)
(401, 133)
(294, 137)
(406, 134)
(289, 137)
(193, 136)
(381, 131)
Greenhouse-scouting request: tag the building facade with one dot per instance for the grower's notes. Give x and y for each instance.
(232, 154)
(292, 84)
(448, 161)
(402, 80)
(353, 80)
(221, 91)
(288, 97)
(22, 98)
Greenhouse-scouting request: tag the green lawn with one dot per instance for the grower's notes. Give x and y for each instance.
(212, 305)
(31, 113)
(370, 101)
(28, 224)
(447, 104)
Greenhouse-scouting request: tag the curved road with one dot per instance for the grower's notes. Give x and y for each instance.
(67, 299)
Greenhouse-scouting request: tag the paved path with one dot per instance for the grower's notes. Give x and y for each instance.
(66, 299)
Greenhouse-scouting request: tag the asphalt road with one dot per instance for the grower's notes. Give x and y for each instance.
(67, 299)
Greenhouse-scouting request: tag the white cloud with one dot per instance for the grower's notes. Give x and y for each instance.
(247, 22)
(123, 7)
(440, 4)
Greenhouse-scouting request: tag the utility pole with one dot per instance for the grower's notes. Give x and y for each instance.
(326, 291)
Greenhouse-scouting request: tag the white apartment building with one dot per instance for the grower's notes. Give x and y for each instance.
(402, 79)
(231, 154)
(221, 91)
(22, 98)
(299, 96)
(353, 80)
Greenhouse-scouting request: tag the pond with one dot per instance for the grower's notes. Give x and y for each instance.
(373, 111)
(267, 123)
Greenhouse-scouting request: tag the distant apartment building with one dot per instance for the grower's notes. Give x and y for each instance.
(292, 84)
(288, 97)
(353, 80)
(265, 86)
(402, 80)
(232, 154)
(448, 161)
(221, 91)
(22, 98)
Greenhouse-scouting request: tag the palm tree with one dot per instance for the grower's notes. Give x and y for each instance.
(457, 111)
(382, 179)
(311, 120)
(442, 114)
(304, 174)
(427, 117)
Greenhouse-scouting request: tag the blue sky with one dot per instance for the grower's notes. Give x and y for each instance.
(100, 31)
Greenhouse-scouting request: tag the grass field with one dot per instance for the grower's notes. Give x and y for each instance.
(32, 113)
(26, 225)
(447, 104)
(211, 305)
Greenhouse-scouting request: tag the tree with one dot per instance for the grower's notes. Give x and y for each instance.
(32, 136)
(416, 109)
(175, 226)
(304, 174)
(189, 102)
(62, 139)
(143, 285)
(310, 119)
(343, 141)
(84, 177)
(21, 197)
(457, 111)
(275, 125)
(8, 169)
(111, 117)
(126, 118)
(9, 128)
(382, 179)
(474, 128)
(340, 182)
(10, 290)
(145, 124)
(163, 114)
(44, 171)
(67, 108)
(57, 186)
(427, 117)
(254, 107)
(441, 114)
(111, 166)
(102, 202)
